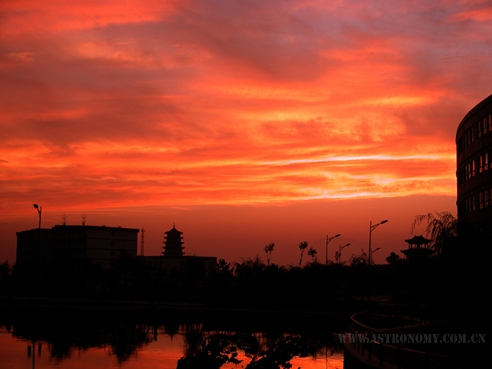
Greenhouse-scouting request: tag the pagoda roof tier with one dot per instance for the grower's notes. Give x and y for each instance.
(418, 240)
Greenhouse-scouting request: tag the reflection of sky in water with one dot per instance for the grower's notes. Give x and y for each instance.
(162, 353)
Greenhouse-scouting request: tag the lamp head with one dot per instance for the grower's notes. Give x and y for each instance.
(337, 235)
(384, 221)
(35, 206)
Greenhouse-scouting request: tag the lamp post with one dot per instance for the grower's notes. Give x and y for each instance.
(39, 209)
(373, 251)
(340, 248)
(328, 239)
(372, 228)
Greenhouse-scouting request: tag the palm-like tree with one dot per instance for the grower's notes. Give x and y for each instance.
(302, 246)
(268, 251)
(312, 252)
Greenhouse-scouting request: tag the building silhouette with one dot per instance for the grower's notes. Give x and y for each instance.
(39, 249)
(173, 256)
(99, 244)
(173, 245)
(43, 253)
(417, 248)
(474, 170)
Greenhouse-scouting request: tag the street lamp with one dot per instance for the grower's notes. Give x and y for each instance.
(376, 249)
(372, 228)
(340, 248)
(328, 239)
(39, 209)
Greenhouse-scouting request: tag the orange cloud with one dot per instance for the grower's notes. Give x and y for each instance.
(200, 102)
(30, 16)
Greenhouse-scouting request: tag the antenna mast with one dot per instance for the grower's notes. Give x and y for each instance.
(142, 241)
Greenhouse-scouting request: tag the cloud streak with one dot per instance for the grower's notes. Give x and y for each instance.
(213, 102)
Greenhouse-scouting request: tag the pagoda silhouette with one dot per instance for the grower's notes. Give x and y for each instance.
(173, 244)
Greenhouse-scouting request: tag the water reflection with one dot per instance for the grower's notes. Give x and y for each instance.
(166, 344)
(119, 339)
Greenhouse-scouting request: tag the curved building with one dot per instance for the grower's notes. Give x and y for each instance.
(474, 167)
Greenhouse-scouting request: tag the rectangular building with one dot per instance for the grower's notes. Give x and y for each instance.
(98, 244)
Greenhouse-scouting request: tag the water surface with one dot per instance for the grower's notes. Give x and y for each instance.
(129, 345)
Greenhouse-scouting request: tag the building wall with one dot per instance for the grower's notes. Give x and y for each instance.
(98, 244)
(107, 243)
(34, 247)
(473, 166)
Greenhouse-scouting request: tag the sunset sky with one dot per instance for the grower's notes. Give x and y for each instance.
(242, 122)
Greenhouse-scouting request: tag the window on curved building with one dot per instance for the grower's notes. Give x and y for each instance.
(483, 125)
(470, 204)
(483, 162)
(470, 170)
(469, 136)
(486, 196)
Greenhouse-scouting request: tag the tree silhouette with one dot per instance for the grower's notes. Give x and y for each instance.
(5, 277)
(337, 256)
(356, 260)
(268, 251)
(302, 246)
(442, 229)
(312, 252)
(223, 268)
(392, 258)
